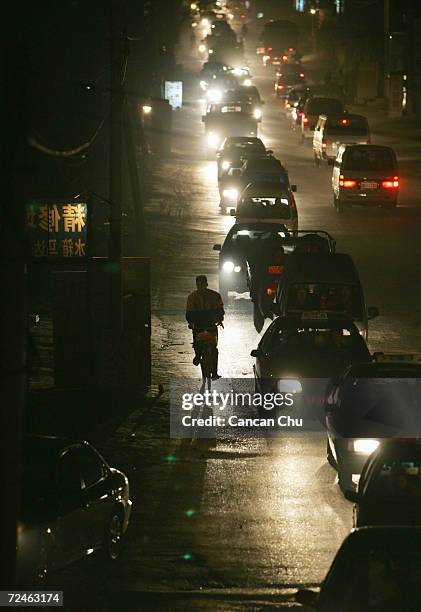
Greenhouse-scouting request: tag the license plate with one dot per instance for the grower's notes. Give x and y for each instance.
(368, 185)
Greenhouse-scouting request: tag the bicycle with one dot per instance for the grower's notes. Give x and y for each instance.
(207, 341)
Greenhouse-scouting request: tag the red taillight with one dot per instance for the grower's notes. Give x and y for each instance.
(270, 48)
(280, 86)
(301, 75)
(347, 183)
(290, 49)
(344, 121)
(324, 144)
(275, 269)
(299, 113)
(285, 58)
(305, 119)
(389, 184)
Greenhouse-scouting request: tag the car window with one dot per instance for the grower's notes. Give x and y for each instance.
(265, 208)
(366, 158)
(68, 474)
(398, 478)
(91, 466)
(317, 339)
(322, 106)
(329, 297)
(374, 579)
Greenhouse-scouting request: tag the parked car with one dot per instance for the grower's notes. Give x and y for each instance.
(73, 503)
(333, 130)
(365, 175)
(376, 568)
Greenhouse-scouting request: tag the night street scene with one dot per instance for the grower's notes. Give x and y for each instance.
(210, 319)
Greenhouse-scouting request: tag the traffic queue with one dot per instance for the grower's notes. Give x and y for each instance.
(314, 296)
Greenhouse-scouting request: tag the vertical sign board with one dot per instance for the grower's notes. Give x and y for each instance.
(395, 94)
(57, 229)
(174, 93)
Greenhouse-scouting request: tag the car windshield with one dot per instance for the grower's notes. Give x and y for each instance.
(321, 106)
(362, 158)
(329, 297)
(375, 579)
(344, 125)
(243, 236)
(266, 163)
(311, 343)
(241, 148)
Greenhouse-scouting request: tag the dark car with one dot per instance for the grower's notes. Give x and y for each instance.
(72, 503)
(365, 403)
(264, 169)
(389, 490)
(248, 94)
(236, 148)
(311, 346)
(285, 82)
(324, 281)
(241, 244)
(376, 568)
(270, 202)
(224, 124)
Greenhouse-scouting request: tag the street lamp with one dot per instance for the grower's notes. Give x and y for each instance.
(147, 109)
(313, 11)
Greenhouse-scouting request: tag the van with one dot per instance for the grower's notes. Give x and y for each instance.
(313, 108)
(366, 175)
(326, 282)
(333, 130)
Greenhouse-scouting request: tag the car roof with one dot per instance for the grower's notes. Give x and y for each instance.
(387, 538)
(321, 267)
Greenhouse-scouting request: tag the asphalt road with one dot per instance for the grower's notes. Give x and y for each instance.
(237, 525)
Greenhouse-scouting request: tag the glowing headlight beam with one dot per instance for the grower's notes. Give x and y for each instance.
(365, 446)
(228, 266)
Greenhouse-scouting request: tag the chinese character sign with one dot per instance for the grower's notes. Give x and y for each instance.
(174, 93)
(57, 229)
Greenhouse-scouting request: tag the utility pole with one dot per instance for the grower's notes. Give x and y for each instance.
(15, 106)
(117, 60)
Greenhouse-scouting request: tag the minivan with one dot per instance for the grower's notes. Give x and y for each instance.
(333, 130)
(365, 175)
(326, 282)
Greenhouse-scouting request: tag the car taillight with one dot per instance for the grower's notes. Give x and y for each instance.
(390, 184)
(270, 48)
(305, 119)
(348, 183)
(280, 86)
(290, 49)
(301, 75)
(324, 144)
(272, 269)
(287, 105)
(285, 58)
(299, 113)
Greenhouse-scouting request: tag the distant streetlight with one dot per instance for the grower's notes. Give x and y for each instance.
(313, 11)
(147, 109)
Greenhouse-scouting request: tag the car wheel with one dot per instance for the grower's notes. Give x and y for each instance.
(258, 318)
(113, 537)
(330, 458)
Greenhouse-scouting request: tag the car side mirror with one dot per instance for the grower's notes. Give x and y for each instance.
(216, 247)
(269, 152)
(330, 162)
(294, 188)
(352, 496)
(306, 598)
(255, 353)
(233, 212)
(372, 312)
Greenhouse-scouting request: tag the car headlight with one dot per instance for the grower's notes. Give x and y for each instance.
(203, 85)
(204, 22)
(225, 164)
(289, 385)
(230, 194)
(214, 95)
(237, 268)
(257, 113)
(202, 48)
(365, 446)
(213, 140)
(247, 82)
(228, 266)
